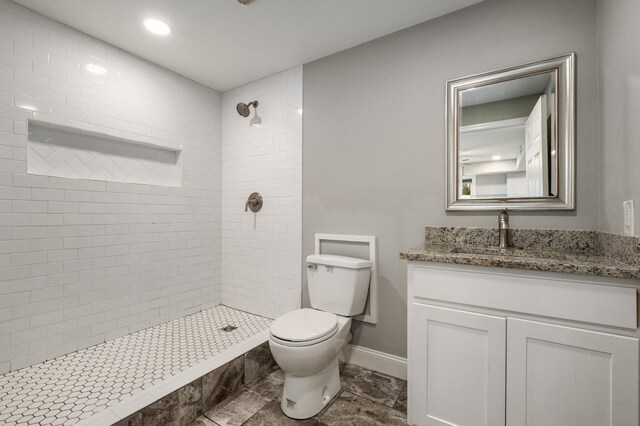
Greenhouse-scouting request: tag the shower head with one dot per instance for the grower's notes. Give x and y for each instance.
(243, 109)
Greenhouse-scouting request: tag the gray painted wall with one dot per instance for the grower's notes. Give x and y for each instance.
(373, 138)
(619, 65)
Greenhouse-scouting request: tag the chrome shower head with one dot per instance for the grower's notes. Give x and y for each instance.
(243, 109)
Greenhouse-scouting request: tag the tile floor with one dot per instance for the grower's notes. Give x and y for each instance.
(367, 398)
(64, 390)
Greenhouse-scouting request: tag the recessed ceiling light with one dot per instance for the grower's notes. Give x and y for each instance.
(96, 69)
(157, 26)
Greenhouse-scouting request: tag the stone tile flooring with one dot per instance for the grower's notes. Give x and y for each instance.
(64, 390)
(367, 398)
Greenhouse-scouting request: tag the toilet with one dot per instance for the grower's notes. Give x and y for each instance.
(305, 343)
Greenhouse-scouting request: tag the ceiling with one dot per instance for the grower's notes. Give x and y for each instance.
(504, 142)
(222, 44)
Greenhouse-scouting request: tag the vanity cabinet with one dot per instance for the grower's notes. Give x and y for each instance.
(490, 346)
(458, 367)
(560, 375)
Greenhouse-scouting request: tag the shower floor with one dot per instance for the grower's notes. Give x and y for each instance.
(68, 389)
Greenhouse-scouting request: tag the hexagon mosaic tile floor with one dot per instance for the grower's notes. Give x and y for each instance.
(64, 390)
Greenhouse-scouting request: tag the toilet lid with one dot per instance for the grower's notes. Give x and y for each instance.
(304, 324)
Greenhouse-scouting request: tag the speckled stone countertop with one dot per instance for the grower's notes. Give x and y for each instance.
(573, 252)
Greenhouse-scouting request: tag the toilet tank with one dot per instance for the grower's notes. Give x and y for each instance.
(338, 284)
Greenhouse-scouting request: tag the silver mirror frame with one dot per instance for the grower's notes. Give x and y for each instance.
(564, 67)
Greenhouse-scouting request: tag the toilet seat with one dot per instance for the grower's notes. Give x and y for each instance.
(304, 327)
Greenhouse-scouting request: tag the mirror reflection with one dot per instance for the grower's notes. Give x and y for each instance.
(507, 139)
(510, 138)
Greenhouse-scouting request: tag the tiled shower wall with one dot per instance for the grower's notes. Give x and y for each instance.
(83, 261)
(261, 252)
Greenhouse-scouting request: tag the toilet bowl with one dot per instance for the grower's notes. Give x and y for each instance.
(311, 367)
(306, 342)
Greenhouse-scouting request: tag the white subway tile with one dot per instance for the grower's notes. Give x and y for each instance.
(24, 206)
(14, 325)
(49, 95)
(62, 207)
(26, 336)
(64, 111)
(47, 194)
(78, 311)
(13, 166)
(63, 183)
(28, 258)
(46, 269)
(14, 193)
(77, 265)
(61, 255)
(46, 294)
(14, 219)
(15, 299)
(35, 80)
(27, 360)
(62, 327)
(30, 181)
(45, 344)
(5, 314)
(62, 279)
(9, 352)
(46, 244)
(77, 242)
(6, 125)
(5, 152)
(48, 46)
(87, 237)
(62, 350)
(46, 219)
(19, 154)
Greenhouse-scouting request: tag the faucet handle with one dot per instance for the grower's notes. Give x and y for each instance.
(254, 202)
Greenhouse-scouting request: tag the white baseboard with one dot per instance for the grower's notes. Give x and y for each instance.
(381, 362)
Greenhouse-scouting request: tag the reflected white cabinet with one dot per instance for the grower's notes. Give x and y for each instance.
(495, 347)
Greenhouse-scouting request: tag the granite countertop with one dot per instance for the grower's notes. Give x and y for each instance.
(573, 252)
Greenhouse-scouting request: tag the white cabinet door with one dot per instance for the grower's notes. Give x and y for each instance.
(570, 377)
(458, 368)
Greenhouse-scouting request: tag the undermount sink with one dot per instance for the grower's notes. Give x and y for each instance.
(509, 252)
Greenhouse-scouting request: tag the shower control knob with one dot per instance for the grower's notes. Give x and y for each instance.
(254, 202)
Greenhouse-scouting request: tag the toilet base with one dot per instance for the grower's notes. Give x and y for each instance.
(306, 396)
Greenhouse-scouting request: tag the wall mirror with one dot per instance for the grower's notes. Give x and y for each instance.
(510, 138)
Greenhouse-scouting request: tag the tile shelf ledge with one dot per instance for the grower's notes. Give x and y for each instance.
(177, 149)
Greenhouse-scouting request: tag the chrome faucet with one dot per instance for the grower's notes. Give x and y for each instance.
(503, 228)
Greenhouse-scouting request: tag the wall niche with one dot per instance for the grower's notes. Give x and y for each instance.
(63, 151)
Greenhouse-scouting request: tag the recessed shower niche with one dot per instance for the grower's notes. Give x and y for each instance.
(63, 151)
